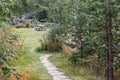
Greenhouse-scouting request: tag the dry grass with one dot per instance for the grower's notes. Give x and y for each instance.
(67, 50)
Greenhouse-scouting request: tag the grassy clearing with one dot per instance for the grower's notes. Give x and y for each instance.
(29, 60)
(74, 72)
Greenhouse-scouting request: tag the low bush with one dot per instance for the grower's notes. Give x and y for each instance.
(19, 25)
(74, 58)
(48, 25)
(53, 42)
(4, 24)
(57, 33)
(27, 25)
(76, 72)
(20, 75)
(9, 44)
(91, 63)
(49, 45)
(32, 25)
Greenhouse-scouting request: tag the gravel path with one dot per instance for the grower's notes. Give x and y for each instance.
(52, 70)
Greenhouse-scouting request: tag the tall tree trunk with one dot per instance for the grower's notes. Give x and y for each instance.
(79, 42)
(109, 54)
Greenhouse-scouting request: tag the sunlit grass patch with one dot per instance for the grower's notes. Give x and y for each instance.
(28, 63)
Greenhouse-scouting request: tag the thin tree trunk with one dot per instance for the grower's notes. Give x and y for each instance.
(81, 44)
(109, 54)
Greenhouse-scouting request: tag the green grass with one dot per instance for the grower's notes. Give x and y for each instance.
(29, 60)
(74, 72)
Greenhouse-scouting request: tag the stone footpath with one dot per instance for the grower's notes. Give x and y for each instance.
(52, 70)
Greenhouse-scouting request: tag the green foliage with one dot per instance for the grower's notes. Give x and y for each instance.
(49, 45)
(76, 72)
(27, 25)
(27, 62)
(32, 25)
(19, 7)
(57, 33)
(42, 14)
(6, 71)
(4, 24)
(53, 40)
(9, 42)
(85, 23)
(74, 58)
(4, 9)
(90, 21)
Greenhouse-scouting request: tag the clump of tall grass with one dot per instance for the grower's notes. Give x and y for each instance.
(49, 45)
(26, 25)
(29, 25)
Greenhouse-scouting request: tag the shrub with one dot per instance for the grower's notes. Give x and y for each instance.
(74, 58)
(26, 75)
(27, 25)
(48, 25)
(9, 43)
(4, 24)
(19, 25)
(32, 25)
(42, 14)
(57, 33)
(49, 45)
(53, 42)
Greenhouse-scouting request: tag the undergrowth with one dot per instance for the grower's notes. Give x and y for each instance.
(76, 72)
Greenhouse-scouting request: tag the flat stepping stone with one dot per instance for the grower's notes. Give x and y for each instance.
(57, 74)
(52, 70)
(48, 65)
(60, 77)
